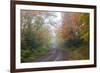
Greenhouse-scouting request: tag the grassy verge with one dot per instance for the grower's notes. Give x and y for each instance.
(80, 53)
(28, 55)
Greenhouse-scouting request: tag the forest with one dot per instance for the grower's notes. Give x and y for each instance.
(54, 36)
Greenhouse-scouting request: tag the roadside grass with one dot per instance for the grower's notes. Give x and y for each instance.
(80, 53)
(28, 55)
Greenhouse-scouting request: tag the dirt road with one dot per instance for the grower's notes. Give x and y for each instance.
(54, 54)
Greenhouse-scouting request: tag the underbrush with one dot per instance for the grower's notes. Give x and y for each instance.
(80, 53)
(28, 55)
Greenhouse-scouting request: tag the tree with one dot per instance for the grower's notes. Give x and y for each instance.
(34, 32)
(72, 32)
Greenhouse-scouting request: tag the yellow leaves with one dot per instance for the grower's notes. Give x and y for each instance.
(85, 36)
(75, 55)
(84, 32)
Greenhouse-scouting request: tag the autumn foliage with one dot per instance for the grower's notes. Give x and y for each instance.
(70, 30)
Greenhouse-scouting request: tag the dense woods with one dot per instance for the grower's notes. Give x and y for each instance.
(74, 35)
(43, 30)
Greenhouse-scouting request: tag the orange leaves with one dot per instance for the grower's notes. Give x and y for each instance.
(69, 26)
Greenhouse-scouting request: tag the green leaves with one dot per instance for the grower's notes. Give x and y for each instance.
(40, 28)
